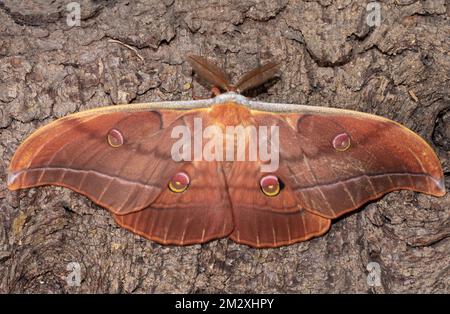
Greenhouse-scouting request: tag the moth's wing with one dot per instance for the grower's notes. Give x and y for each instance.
(200, 214)
(130, 180)
(262, 221)
(320, 182)
(74, 152)
(383, 156)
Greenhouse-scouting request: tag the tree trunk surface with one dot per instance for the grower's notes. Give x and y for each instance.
(333, 53)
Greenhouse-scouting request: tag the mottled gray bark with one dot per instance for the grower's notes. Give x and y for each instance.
(330, 57)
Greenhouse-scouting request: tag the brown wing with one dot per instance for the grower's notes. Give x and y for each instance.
(74, 152)
(262, 221)
(200, 214)
(331, 162)
(120, 157)
(330, 180)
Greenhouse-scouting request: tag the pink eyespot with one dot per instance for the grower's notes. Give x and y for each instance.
(341, 142)
(270, 185)
(115, 138)
(179, 182)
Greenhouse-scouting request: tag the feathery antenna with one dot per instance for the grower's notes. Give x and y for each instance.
(257, 76)
(210, 72)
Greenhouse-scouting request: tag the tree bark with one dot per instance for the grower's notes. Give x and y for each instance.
(333, 53)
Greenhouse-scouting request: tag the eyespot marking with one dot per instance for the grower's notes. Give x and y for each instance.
(270, 185)
(341, 142)
(115, 138)
(179, 182)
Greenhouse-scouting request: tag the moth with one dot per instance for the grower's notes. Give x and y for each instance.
(169, 182)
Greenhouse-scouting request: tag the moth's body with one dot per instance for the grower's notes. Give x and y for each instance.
(331, 161)
(230, 114)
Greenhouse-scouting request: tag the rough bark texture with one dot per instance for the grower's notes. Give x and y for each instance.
(330, 57)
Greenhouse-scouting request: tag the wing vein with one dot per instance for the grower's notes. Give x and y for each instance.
(355, 178)
(106, 176)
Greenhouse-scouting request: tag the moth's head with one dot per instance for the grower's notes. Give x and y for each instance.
(220, 80)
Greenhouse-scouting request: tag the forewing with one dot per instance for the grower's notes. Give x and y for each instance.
(382, 156)
(74, 152)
